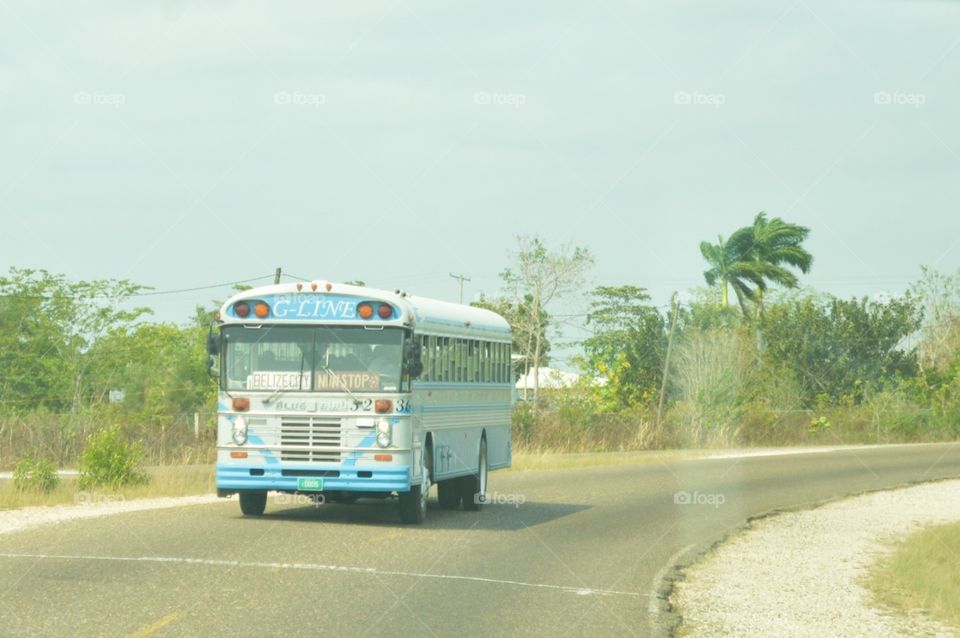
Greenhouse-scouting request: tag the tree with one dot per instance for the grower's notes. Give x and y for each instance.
(541, 277)
(523, 342)
(47, 325)
(774, 245)
(732, 266)
(627, 346)
(757, 256)
(939, 294)
(843, 349)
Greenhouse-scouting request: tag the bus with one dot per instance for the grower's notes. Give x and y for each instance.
(342, 392)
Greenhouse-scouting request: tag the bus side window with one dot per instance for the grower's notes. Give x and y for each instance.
(475, 366)
(458, 360)
(504, 363)
(424, 357)
(444, 361)
(499, 363)
(486, 362)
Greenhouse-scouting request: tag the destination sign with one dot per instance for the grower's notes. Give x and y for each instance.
(353, 381)
(264, 380)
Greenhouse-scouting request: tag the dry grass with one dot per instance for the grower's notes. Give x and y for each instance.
(923, 573)
(178, 480)
(546, 459)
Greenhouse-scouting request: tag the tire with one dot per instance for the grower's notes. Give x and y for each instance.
(413, 508)
(448, 493)
(253, 503)
(413, 504)
(473, 487)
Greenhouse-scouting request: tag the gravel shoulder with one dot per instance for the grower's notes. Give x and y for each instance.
(18, 520)
(802, 573)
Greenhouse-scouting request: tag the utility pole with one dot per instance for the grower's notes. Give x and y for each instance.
(276, 276)
(666, 359)
(461, 279)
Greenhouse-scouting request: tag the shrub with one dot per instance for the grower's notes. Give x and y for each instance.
(110, 460)
(35, 475)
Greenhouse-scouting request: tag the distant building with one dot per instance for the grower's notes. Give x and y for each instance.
(550, 378)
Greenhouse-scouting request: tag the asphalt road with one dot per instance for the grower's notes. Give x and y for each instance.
(571, 552)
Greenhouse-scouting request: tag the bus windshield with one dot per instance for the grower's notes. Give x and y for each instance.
(312, 358)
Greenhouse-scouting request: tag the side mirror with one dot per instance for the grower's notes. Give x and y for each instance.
(213, 343)
(213, 353)
(412, 363)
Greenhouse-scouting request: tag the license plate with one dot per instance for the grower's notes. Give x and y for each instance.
(310, 484)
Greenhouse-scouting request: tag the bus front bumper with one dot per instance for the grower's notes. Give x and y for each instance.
(239, 478)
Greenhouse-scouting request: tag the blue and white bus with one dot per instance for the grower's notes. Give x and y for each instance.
(344, 392)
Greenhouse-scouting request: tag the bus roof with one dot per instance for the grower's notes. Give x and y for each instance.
(333, 303)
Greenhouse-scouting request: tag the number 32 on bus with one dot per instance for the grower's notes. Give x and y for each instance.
(350, 392)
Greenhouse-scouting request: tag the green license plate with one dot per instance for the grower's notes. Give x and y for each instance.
(310, 484)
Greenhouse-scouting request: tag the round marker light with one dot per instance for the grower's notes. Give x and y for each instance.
(365, 310)
(239, 434)
(384, 435)
(262, 310)
(242, 309)
(382, 406)
(385, 311)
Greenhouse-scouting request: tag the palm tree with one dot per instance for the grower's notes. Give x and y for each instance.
(774, 246)
(732, 266)
(757, 256)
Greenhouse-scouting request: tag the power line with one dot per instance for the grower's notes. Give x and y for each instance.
(152, 293)
(210, 287)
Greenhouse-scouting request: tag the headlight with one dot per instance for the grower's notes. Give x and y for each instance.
(384, 435)
(239, 430)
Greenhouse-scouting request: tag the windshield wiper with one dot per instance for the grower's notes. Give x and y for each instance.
(339, 381)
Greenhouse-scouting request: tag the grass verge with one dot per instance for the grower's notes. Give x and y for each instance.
(533, 459)
(923, 573)
(171, 480)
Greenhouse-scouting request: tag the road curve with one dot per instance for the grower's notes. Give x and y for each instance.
(565, 552)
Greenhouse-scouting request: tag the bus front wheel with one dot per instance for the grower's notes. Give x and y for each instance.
(413, 504)
(253, 503)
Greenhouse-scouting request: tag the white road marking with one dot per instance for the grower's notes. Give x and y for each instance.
(579, 591)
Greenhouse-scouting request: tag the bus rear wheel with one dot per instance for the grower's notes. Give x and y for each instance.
(253, 503)
(473, 487)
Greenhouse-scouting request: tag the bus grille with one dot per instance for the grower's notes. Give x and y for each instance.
(318, 438)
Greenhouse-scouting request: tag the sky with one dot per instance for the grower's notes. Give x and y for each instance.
(189, 143)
